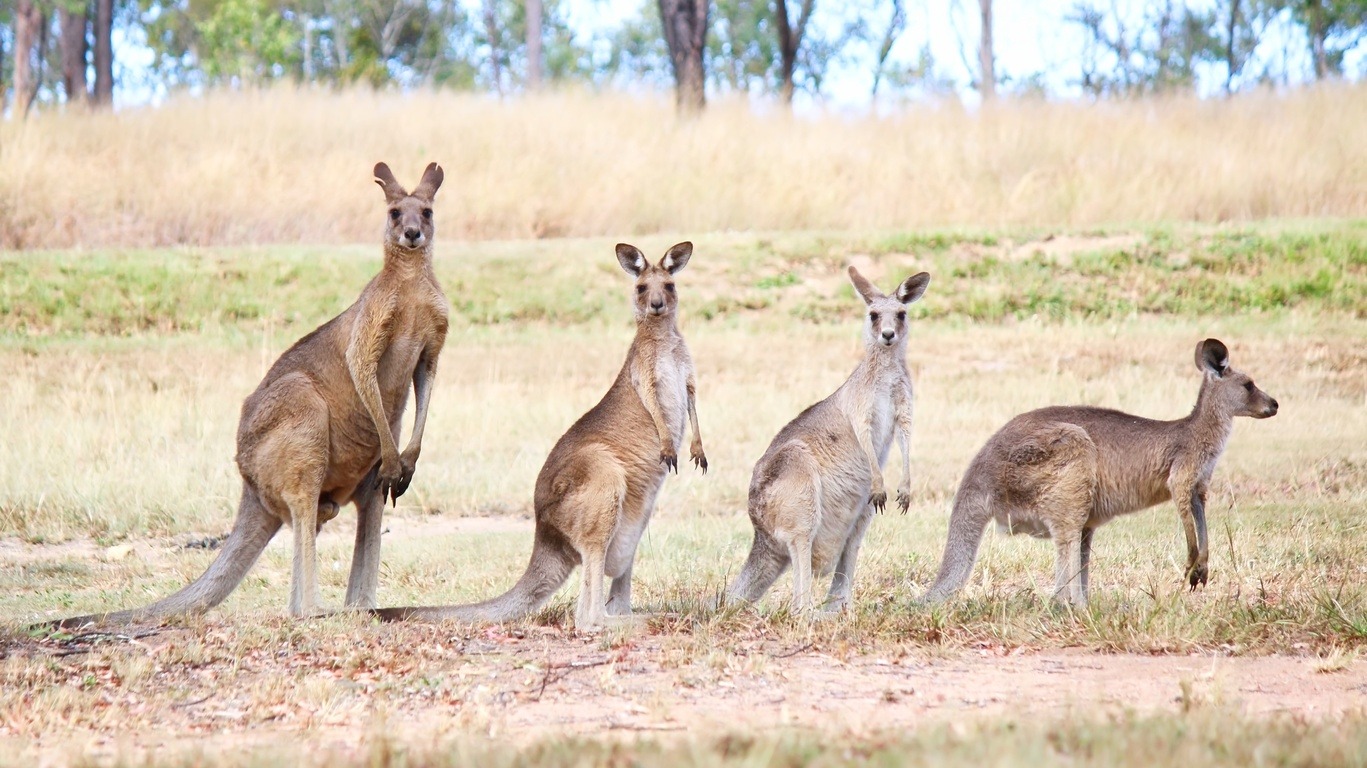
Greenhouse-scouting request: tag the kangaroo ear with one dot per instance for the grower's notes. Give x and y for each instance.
(431, 182)
(1212, 356)
(631, 259)
(677, 257)
(913, 287)
(385, 178)
(864, 287)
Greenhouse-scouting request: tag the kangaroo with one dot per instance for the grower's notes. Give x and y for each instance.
(814, 491)
(1063, 472)
(322, 428)
(597, 489)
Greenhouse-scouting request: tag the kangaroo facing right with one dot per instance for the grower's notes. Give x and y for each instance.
(1063, 472)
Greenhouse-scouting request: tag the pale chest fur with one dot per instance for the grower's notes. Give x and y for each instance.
(669, 366)
(419, 325)
(873, 399)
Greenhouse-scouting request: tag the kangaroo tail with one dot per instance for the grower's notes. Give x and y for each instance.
(972, 510)
(251, 532)
(551, 562)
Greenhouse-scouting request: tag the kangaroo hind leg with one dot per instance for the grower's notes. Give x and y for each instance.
(1065, 484)
(842, 581)
(588, 515)
(767, 561)
(791, 509)
(287, 464)
(364, 580)
(621, 556)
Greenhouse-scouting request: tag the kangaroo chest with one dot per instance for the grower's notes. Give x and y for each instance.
(671, 388)
(414, 332)
(875, 405)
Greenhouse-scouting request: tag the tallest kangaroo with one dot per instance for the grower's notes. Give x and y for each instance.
(321, 429)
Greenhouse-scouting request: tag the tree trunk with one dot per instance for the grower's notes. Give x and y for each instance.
(1231, 56)
(533, 44)
(75, 26)
(789, 41)
(685, 31)
(895, 26)
(2, 76)
(28, 21)
(987, 68)
(492, 31)
(1316, 28)
(104, 53)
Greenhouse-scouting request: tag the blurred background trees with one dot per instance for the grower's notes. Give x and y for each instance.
(78, 53)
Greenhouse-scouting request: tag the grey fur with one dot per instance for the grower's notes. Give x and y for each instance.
(1062, 472)
(815, 489)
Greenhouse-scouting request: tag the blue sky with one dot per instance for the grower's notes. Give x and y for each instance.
(1032, 37)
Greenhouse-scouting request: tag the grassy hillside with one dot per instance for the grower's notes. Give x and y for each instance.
(776, 279)
(293, 166)
(125, 371)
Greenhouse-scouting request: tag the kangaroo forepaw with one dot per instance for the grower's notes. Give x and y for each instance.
(699, 461)
(671, 461)
(879, 500)
(903, 500)
(392, 486)
(1196, 576)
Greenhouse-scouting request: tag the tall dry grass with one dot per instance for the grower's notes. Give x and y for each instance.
(292, 165)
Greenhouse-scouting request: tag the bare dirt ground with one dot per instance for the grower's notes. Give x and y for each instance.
(258, 678)
(532, 682)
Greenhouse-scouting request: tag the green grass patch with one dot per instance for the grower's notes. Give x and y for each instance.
(979, 278)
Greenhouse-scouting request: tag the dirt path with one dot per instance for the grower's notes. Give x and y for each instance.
(590, 692)
(535, 682)
(265, 679)
(815, 690)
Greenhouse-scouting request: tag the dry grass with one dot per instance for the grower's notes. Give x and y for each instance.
(1210, 736)
(126, 437)
(293, 165)
(121, 419)
(149, 428)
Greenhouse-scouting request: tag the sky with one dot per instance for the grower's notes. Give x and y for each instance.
(1031, 38)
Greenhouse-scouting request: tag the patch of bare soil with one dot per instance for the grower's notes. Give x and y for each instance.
(531, 682)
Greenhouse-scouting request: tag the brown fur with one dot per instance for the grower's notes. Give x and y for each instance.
(815, 489)
(321, 430)
(1063, 472)
(596, 491)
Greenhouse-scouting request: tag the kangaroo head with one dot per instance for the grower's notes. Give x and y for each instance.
(887, 323)
(408, 224)
(1231, 391)
(655, 296)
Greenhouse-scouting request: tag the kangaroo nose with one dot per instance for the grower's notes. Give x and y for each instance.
(657, 304)
(1274, 405)
(412, 234)
(889, 334)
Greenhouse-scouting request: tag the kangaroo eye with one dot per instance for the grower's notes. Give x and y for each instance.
(427, 213)
(669, 287)
(393, 214)
(873, 316)
(640, 289)
(901, 315)
(1249, 386)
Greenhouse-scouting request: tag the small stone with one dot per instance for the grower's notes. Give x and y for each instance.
(118, 552)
